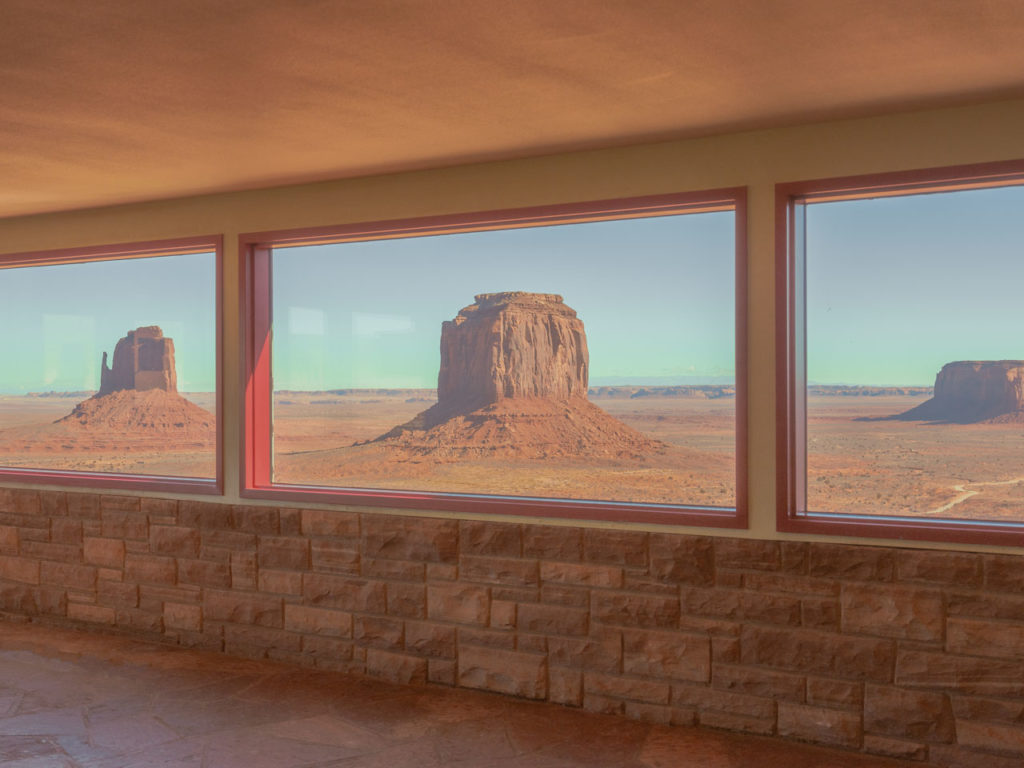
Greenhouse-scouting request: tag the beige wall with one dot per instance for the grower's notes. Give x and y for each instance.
(756, 159)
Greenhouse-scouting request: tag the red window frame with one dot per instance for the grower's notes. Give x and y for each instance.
(255, 290)
(113, 480)
(792, 514)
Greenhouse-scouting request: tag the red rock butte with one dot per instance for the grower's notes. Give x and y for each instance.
(513, 382)
(971, 391)
(143, 359)
(139, 395)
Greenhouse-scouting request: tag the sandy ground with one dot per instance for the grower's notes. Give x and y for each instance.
(109, 453)
(698, 466)
(966, 471)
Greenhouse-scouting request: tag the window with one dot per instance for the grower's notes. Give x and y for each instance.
(901, 359)
(578, 361)
(110, 376)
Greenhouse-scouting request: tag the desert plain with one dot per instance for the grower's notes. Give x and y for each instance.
(857, 463)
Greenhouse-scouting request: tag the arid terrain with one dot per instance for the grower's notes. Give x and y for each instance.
(857, 462)
(32, 436)
(861, 465)
(315, 433)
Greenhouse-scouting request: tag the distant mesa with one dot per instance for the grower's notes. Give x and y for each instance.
(972, 391)
(513, 382)
(139, 394)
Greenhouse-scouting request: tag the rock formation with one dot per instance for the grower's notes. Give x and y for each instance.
(974, 391)
(144, 359)
(512, 344)
(139, 394)
(513, 382)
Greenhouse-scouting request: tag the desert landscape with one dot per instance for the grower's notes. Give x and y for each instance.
(514, 414)
(136, 423)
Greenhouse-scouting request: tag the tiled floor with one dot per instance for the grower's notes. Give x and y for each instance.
(71, 698)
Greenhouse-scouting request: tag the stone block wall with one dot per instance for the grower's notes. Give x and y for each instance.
(912, 653)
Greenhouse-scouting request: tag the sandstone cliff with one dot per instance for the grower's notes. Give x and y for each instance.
(513, 383)
(143, 359)
(974, 391)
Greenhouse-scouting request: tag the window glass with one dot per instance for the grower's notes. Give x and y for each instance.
(588, 361)
(915, 355)
(110, 366)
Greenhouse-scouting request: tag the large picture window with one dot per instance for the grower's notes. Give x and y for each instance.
(903, 355)
(110, 366)
(578, 361)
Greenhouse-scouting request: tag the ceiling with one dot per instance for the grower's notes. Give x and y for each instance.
(112, 101)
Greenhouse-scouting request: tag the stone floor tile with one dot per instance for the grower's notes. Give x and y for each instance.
(82, 700)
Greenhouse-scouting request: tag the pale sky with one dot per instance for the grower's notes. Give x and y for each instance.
(897, 287)
(656, 297)
(58, 320)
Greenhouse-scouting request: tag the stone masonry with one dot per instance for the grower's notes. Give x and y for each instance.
(904, 652)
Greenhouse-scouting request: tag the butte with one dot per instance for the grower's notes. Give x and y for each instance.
(138, 396)
(513, 384)
(973, 391)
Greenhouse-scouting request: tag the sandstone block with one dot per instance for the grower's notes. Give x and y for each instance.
(565, 686)
(682, 559)
(892, 611)
(673, 655)
(330, 556)
(150, 569)
(8, 540)
(19, 569)
(740, 604)
(430, 639)
(283, 552)
(635, 689)
(183, 616)
(420, 539)
(347, 594)
(823, 726)
(317, 621)
(841, 561)
(482, 538)
(241, 608)
(978, 637)
(500, 570)
(108, 553)
(179, 541)
(960, 569)
(634, 610)
(824, 653)
(625, 548)
(397, 667)
(911, 715)
(202, 573)
(581, 574)
(331, 523)
(377, 632)
(458, 602)
(279, 582)
(93, 614)
(551, 619)
(552, 542)
(503, 671)
(753, 681)
(996, 677)
(68, 575)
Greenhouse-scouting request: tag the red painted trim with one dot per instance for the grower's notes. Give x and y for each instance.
(118, 481)
(256, 480)
(792, 514)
